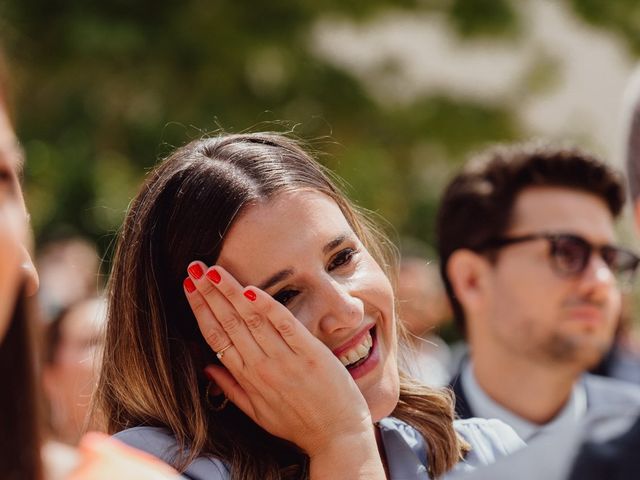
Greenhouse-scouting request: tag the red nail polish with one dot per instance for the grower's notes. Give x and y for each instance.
(189, 285)
(251, 295)
(213, 275)
(195, 270)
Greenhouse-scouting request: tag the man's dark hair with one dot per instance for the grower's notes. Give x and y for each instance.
(477, 205)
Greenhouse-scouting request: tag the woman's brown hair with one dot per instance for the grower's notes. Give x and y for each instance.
(19, 408)
(154, 352)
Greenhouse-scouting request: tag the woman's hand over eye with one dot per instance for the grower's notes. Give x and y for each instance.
(275, 370)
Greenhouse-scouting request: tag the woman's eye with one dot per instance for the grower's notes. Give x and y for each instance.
(284, 296)
(342, 258)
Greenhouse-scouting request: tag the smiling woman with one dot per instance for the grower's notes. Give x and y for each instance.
(290, 286)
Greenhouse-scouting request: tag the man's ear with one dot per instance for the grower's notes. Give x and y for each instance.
(467, 272)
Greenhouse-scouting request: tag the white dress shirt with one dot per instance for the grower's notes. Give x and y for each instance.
(485, 407)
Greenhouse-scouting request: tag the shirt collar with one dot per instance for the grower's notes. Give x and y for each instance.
(485, 407)
(405, 450)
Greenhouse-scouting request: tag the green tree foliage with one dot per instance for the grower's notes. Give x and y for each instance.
(103, 89)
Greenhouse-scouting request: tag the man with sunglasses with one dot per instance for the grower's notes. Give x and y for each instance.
(530, 263)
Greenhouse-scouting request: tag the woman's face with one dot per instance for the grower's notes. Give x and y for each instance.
(15, 264)
(70, 378)
(300, 248)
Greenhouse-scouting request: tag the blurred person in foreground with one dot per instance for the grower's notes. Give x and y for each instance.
(532, 268)
(70, 364)
(423, 307)
(22, 456)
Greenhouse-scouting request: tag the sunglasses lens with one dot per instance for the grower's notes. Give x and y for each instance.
(570, 254)
(621, 262)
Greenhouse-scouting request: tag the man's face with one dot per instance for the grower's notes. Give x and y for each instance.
(535, 312)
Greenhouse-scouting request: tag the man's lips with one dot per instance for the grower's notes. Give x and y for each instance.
(588, 312)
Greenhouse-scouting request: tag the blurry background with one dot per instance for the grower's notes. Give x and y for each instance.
(404, 90)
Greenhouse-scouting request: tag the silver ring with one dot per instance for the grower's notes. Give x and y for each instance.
(220, 354)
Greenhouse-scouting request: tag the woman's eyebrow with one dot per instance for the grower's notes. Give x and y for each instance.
(335, 243)
(278, 277)
(283, 274)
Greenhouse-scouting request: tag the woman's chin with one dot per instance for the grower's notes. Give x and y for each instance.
(383, 401)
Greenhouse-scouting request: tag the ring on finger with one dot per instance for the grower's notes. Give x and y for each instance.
(220, 354)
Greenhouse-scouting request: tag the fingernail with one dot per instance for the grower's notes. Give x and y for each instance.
(195, 270)
(251, 295)
(189, 285)
(213, 275)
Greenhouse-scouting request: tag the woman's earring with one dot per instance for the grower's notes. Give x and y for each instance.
(216, 406)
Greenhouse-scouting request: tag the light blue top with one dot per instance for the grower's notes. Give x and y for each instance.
(405, 448)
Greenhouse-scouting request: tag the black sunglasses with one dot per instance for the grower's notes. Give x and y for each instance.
(570, 253)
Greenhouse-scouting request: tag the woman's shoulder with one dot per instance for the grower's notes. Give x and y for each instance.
(161, 443)
(489, 439)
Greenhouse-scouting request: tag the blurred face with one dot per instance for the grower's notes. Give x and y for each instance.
(300, 248)
(538, 313)
(13, 223)
(70, 379)
(422, 301)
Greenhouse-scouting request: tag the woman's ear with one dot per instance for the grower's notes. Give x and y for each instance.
(467, 272)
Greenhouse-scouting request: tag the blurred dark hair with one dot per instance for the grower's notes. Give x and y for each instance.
(477, 205)
(154, 352)
(19, 409)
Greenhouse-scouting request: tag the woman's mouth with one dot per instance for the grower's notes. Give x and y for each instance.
(359, 353)
(363, 356)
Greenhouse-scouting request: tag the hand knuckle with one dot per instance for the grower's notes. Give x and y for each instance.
(214, 338)
(206, 288)
(286, 328)
(230, 322)
(267, 307)
(200, 308)
(226, 289)
(254, 320)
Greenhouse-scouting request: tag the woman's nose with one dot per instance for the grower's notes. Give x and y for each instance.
(342, 308)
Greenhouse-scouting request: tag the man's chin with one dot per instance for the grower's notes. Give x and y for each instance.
(584, 351)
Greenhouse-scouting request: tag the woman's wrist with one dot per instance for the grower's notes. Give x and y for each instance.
(348, 457)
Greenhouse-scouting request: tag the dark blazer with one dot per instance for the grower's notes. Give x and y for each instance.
(615, 459)
(602, 393)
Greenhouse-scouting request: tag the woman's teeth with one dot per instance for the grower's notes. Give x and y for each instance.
(358, 352)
